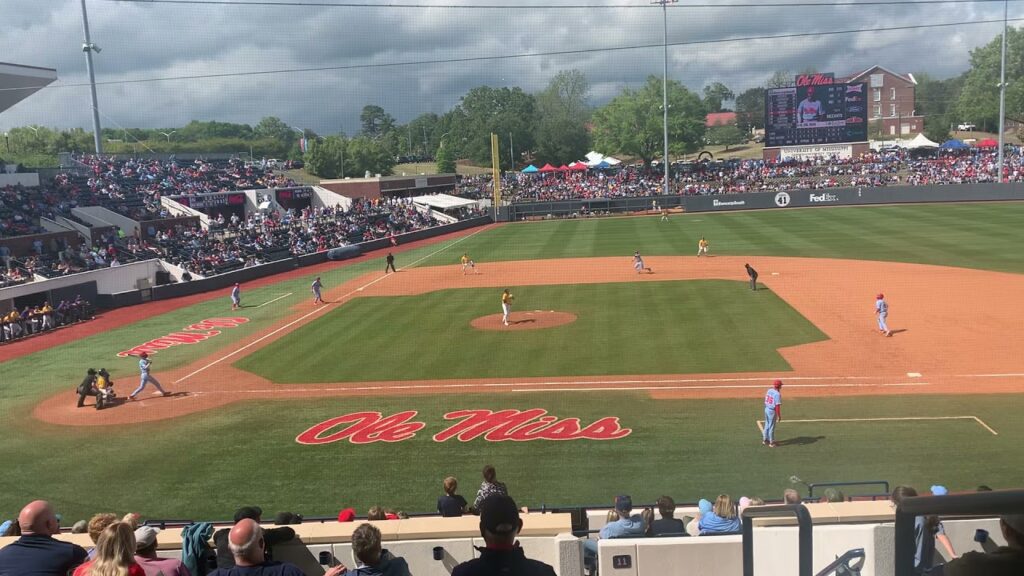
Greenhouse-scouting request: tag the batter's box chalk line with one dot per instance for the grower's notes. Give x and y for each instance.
(760, 423)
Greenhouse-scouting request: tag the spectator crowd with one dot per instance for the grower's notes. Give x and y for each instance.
(874, 169)
(246, 547)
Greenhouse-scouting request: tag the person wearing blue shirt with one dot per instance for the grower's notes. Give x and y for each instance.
(145, 377)
(772, 413)
(882, 311)
(626, 526)
(37, 552)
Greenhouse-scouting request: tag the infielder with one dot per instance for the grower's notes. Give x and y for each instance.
(882, 311)
(145, 377)
(753, 276)
(236, 297)
(702, 247)
(772, 412)
(506, 306)
(316, 286)
(468, 264)
(638, 263)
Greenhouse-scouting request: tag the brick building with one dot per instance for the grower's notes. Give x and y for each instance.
(890, 102)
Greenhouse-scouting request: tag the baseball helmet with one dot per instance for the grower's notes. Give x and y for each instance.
(880, 296)
(777, 384)
(144, 355)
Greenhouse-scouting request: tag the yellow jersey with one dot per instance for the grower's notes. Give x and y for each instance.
(703, 243)
(506, 298)
(465, 260)
(101, 382)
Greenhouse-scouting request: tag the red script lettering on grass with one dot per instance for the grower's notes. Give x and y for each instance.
(500, 426)
(197, 333)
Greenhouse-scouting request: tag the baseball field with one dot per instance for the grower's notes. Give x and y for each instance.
(606, 381)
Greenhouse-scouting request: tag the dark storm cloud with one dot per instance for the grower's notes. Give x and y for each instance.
(146, 41)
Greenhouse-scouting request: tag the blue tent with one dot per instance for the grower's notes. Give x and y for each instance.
(530, 169)
(603, 165)
(953, 144)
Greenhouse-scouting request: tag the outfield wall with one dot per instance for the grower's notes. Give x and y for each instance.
(772, 200)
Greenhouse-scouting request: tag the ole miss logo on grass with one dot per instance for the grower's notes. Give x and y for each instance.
(500, 426)
(191, 334)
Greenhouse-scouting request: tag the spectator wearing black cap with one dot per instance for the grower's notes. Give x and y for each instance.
(501, 556)
(271, 536)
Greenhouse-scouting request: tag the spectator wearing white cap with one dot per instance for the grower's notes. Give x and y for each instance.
(145, 555)
(1002, 561)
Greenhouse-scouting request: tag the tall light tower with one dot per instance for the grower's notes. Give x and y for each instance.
(88, 47)
(664, 85)
(1002, 97)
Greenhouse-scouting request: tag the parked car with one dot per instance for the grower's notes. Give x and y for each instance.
(966, 127)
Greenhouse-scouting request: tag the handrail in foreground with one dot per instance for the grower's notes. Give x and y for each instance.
(805, 538)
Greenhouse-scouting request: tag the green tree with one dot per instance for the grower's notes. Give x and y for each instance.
(716, 95)
(750, 109)
(485, 110)
(273, 127)
(936, 100)
(631, 123)
(781, 79)
(725, 135)
(562, 114)
(326, 156)
(421, 131)
(978, 101)
(375, 121)
(363, 155)
(445, 160)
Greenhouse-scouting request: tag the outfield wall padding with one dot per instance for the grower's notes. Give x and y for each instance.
(852, 196)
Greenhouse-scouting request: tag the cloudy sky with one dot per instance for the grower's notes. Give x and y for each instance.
(142, 40)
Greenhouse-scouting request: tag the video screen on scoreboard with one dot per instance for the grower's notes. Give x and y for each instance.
(829, 114)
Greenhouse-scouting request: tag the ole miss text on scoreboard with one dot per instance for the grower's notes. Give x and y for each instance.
(829, 114)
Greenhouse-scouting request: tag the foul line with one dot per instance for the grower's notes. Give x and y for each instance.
(760, 423)
(324, 307)
(381, 387)
(275, 299)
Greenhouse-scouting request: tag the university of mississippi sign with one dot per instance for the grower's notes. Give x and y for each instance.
(492, 426)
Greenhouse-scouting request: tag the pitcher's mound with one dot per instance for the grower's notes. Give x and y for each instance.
(532, 320)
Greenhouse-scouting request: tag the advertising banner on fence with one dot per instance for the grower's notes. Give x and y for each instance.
(816, 152)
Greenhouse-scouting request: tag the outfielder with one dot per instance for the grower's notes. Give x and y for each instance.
(316, 286)
(638, 263)
(702, 247)
(772, 412)
(236, 297)
(506, 306)
(468, 264)
(882, 311)
(145, 377)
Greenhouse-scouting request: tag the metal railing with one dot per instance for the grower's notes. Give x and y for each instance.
(805, 536)
(975, 504)
(884, 483)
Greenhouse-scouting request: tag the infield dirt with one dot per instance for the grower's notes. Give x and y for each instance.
(955, 332)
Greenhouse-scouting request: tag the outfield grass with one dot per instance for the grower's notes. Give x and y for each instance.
(621, 328)
(207, 464)
(982, 235)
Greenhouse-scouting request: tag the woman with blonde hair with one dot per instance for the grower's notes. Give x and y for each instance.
(115, 553)
(722, 519)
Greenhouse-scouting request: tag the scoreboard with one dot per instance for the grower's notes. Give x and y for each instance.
(828, 114)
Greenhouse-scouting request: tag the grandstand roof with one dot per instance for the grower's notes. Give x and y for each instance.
(443, 201)
(18, 82)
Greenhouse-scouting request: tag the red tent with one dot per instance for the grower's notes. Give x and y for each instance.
(563, 168)
(548, 168)
(578, 167)
(988, 143)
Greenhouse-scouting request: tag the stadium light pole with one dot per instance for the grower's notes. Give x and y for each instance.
(88, 47)
(1002, 97)
(168, 134)
(664, 85)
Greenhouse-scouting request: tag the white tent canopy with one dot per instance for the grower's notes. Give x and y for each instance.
(595, 158)
(443, 201)
(922, 141)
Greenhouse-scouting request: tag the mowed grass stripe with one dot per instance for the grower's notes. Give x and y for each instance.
(622, 328)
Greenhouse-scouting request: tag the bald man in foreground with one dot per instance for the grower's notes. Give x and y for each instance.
(37, 553)
(246, 542)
